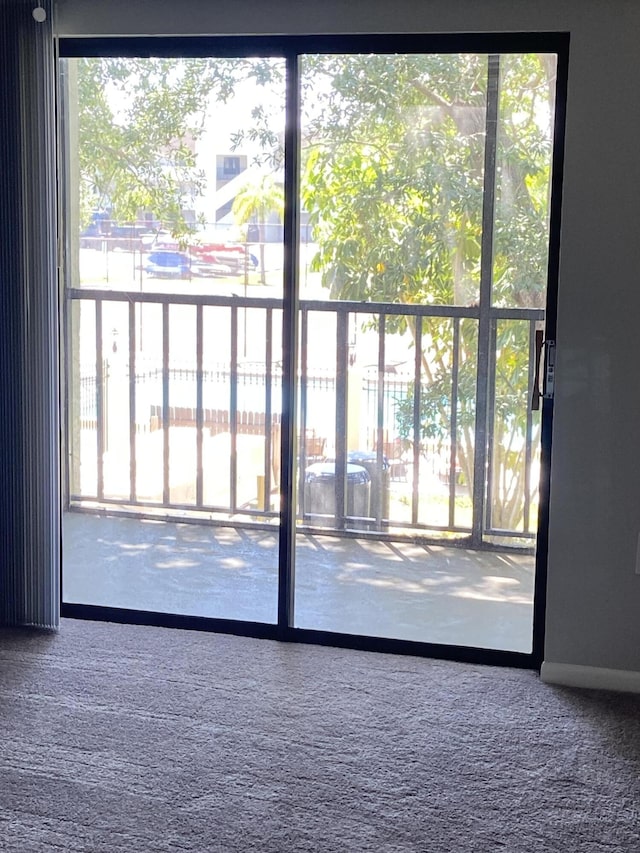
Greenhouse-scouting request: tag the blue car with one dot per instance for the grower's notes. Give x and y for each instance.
(168, 265)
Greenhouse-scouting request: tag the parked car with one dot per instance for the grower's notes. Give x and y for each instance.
(206, 265)
(198, 262)
(218, 259)
(168, 264)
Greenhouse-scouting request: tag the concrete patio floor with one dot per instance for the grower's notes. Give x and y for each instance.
(428, 593)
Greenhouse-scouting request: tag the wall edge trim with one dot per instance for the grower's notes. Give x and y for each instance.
(590, 677)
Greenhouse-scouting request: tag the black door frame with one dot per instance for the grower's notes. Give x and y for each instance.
(291, 48)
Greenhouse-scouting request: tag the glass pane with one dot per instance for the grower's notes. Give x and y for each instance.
(515, 433)
(357, 392)
(392, 182)
(447, 416)
(149, 480)
(174, 206)
(82, 399)
(216, 380)
(182, 392)
(416, 403)
(523, 180)
(116, 409)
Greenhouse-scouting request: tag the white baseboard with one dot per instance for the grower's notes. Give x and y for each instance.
(590, 677)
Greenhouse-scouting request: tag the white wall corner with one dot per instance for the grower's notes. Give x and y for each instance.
(590, 677)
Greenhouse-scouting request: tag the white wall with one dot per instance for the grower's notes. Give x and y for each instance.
(593, 610)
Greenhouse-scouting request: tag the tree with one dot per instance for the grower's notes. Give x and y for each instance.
(138, 124)
(394, 184)
(256, 201)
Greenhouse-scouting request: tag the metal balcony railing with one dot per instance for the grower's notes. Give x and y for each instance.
(422, 423)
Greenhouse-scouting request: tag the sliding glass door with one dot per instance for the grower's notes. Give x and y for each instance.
(174, 334)
(307, 283)
(426, 178)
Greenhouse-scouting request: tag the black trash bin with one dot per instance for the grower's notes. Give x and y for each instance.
(320, 492)
(380, 480)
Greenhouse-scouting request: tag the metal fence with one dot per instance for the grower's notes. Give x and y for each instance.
(239, 397)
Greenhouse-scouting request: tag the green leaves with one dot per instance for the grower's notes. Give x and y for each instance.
(139, 121)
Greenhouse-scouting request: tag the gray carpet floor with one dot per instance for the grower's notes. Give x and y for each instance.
(124, 738)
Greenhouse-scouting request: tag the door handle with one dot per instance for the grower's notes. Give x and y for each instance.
(535, 397)
(549, 371)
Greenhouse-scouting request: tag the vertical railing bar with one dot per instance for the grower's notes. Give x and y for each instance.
(268, 360)
(483, 403)
(199, 405)
(417, 426)
(100, 413)
(302, 444)
(453, 433)
(166, 414)
(233, 412)
(342, 357)
(382, 330)
(132, 402)
(491, 417)
(528, 447)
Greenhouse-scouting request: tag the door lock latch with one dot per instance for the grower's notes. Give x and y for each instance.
(549, 371)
